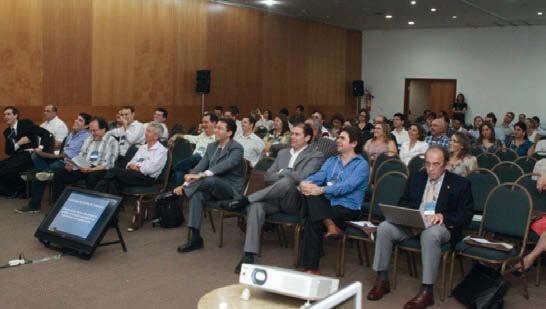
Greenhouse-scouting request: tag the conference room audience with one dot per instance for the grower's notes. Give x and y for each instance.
(232, 112)
(459, 108)
(399, 131)
(532, 132)
(143, 169)
(131, 132)
(160, 116)
(218, 111)
(363, 121)
(219, 175)
(54, 125)
(457, 126)
(499, 133)
(476, 125)
(461, 162)
(277, 138)
(519, 142)
(438, 135)
(337, 125)
(253, 145)
(320, 143)
(427, 126)
(539, 148)
(21, 136)
(381, 142)
(98, 154)
(46, 164)
(201, 141)
(299, 116)
(522, 117)
(291, 166)
(416, 144)
(264, 120)
(486, 141)
(318, 115)
(332, 196)
(506, 125)
(445, 200)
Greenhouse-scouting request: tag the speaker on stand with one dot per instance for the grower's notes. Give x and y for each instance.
(358, 92)
(202, 86)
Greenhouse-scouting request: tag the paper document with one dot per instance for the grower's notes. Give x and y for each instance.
(363, 223)
(486, 242)
(79, 162)
(477, 218)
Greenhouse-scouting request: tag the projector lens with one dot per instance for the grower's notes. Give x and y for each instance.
(259, 276)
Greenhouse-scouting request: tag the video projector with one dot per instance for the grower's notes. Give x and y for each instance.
(288, 282)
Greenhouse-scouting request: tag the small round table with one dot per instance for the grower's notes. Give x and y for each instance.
(229, 297)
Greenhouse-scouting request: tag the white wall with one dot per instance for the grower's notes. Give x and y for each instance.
(497, 69)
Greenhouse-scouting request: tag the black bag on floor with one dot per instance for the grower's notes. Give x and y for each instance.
(168, 212)
(482, 288)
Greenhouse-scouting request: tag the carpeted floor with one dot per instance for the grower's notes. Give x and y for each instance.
(153, 274)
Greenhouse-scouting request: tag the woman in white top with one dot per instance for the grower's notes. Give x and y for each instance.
(416, 144)
(460, 161)
(264, 120)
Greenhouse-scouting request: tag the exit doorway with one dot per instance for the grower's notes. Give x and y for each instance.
(433, 94)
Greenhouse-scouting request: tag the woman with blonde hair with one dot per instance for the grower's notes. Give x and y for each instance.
(381, 142)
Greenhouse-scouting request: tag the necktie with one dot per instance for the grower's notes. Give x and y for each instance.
(429, 197)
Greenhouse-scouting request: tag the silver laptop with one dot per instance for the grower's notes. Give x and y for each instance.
(403, 216)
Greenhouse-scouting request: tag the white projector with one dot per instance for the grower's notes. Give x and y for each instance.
(288, 282)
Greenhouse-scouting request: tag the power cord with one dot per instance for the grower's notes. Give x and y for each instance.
(22, 260)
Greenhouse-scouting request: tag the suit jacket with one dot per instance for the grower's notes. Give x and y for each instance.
(454, 202)
(227, 164)
(308, 162)
(36, 134)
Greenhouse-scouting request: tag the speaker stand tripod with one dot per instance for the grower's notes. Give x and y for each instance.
(202, 104)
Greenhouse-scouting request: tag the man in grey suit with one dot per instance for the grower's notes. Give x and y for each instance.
(291, 166)
(218, 176)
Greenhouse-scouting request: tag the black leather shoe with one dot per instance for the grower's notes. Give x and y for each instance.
(191, 246)
(246, 259)
(235, 204)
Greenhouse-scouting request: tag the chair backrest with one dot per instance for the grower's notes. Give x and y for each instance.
(483, 181)
(181, 149)
(476, 151)
(391, 165)
(247, 171)
(379, 160)
(539, 198)
(255, 182)
(507, 212)
(416, 164)
(487, 160)
(166, 171)
(507, 155)
(526, 163)
(507, 171)
(131, 152)
(264, 164)
(388, 190)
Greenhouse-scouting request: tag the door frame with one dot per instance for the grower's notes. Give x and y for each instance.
(407, 84)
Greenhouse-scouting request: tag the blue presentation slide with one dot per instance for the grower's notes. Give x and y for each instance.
(79, 214)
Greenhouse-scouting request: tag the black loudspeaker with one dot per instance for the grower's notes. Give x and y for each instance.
(202, 81)
(358, 88)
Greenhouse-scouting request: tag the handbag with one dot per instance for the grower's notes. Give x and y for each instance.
(482, 288)
(539, 225)
(168, 212)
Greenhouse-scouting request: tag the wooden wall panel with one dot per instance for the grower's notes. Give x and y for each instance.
(95, 56)
(21, 52)
(67, 52)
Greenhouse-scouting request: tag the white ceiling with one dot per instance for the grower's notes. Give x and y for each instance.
(369, 14)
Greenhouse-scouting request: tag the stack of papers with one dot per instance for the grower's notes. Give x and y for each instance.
(488, 243)
(363, 223)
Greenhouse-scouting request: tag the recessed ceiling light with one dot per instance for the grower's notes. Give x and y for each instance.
(540, 13)
(269, 2)
(411, 23)
(433, 10)
(388, 16)
(413, 2)
(454, 16)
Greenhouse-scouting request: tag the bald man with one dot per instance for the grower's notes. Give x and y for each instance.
(438, 135)
(445, 201)
(54, 125)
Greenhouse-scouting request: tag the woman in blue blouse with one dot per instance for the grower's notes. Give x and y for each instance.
(520, 143)
(333, 195)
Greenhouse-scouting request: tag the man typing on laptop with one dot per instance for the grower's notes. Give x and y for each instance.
(445, 201)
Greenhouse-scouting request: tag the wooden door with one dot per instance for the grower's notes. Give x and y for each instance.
(442, 96)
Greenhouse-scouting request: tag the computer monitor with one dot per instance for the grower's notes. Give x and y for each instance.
(78, 221)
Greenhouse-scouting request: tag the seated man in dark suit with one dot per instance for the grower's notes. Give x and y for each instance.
(291, 166)
(218, 176)
(445, 200)
(22, 137)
